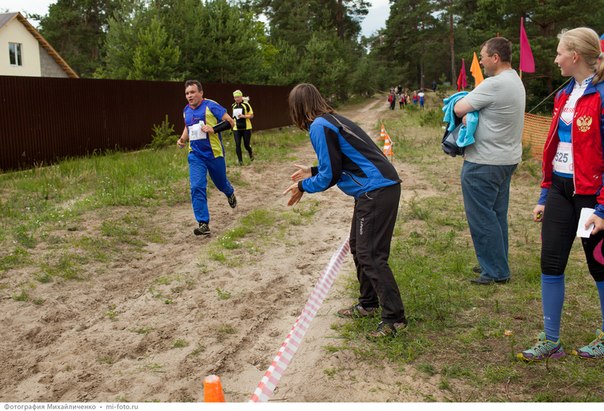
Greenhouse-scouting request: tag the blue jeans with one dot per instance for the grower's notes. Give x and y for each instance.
(486, 195)
(198, 170)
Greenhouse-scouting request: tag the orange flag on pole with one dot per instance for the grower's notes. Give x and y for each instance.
(476, 71)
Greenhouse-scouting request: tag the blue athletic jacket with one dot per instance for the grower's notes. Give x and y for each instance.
(347, 157)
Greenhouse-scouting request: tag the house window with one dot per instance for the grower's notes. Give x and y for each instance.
(14, 54)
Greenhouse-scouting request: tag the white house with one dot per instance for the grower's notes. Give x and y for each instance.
(24, 52)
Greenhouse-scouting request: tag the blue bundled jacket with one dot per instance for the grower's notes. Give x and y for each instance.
(347, 157)
(466, 132)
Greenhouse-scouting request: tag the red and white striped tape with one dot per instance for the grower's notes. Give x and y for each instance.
(273, 375)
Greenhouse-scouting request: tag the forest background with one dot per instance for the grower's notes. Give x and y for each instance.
(283, 42)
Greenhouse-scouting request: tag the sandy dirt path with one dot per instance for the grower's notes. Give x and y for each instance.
(150, 326)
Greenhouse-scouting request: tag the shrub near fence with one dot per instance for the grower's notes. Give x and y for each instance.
(45, 119)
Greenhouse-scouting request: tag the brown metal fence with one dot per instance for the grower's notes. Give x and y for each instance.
(46, 119)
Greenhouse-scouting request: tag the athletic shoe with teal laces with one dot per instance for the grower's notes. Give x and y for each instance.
(594, 349)
(543, 350)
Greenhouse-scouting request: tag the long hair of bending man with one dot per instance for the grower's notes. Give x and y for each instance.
(305, 104)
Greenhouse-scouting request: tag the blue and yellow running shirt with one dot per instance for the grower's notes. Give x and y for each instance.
(208, 112)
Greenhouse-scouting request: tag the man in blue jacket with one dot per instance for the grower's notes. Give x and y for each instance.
(349, 159)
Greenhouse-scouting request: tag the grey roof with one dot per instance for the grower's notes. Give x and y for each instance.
(6, 17)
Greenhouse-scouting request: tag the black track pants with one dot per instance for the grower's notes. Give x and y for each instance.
(373, 223)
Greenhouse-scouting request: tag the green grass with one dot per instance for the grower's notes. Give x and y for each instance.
(254, 231)
(112, 313)
(168, 288)
(49, 206)
(457, 330)
(18, 258)
(21, 296)
(142, 330)
(180, 343)
(223, 294)
(270, 146)
(223, 332)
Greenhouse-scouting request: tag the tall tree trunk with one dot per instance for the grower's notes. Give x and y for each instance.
(452, 43)
(421, 74)
(340, 19)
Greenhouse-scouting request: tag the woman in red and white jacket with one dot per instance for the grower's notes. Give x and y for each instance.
(573, 166)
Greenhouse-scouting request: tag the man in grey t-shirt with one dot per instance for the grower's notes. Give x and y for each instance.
(490, 162)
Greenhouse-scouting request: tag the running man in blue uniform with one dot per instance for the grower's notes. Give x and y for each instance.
(204, 120)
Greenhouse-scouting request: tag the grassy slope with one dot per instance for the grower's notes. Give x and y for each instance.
(457, 329)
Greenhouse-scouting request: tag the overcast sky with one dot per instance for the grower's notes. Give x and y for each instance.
(375, 20)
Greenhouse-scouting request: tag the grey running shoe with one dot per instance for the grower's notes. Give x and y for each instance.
(357, 311)
(203, 229)
(386, 330)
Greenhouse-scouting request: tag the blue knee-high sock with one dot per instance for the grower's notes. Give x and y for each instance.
(552, 297)
(600, 285)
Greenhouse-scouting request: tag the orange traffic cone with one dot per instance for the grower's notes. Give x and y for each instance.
(383, 133)
(212, 389)
(388, 147)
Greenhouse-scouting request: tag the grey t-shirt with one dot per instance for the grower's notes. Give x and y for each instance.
(500, 101)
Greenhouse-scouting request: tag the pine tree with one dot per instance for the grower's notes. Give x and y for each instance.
(156, 56)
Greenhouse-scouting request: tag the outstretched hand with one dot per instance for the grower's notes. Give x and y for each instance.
(296, 194)
(302, 173)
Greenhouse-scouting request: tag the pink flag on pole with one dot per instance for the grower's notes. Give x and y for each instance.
(527, 63)
(461, 79)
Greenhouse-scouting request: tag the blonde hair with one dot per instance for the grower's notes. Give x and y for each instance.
(306, 104)
(586, 43)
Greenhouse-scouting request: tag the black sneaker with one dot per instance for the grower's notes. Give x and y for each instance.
(386, 330)
(203, 229)
(232, 200)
